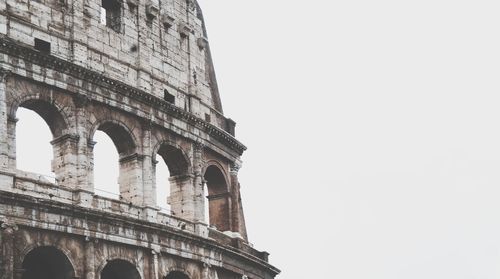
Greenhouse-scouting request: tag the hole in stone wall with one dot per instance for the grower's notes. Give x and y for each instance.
(42, 46)
(207, 117)
(111, 14)
(168, 97)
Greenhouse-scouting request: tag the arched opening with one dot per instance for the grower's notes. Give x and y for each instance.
(33, 149)
(120, 269)
(36, 145)
(114, 167)
(218, 198)
(106, 166)
(171, 170)
(162, 178)
(176, 275)
(47, 263)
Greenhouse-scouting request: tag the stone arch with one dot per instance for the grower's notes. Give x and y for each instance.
(175, 157)
(47, 262)
(119, 269)
(121, 135)
(179, 167)
(219, 202)
(50, 110)
(130, 164)
(56, 117)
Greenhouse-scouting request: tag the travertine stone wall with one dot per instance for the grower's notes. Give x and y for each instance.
(146, 52)
(148, 82)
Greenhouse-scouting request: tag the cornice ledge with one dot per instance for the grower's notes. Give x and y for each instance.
(12, 48)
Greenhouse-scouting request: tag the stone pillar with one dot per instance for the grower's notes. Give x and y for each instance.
(4, 114)
(65, 161)
(148, 168)
(181, 197)
(7, 235)
(186, 191)
(130, 179)
(209, 272)
(155, 267)
(89, 260)
(84, 175)
(198, 183)
(11, 142)
(238, 219)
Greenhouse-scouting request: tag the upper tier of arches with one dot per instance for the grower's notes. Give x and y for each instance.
(192, 166)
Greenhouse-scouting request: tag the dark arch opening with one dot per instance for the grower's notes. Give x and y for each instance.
(120, 136)
(47, 263)
(176, 275)
(218, 198)
(49, 113)
(119, 269)
(174, 158)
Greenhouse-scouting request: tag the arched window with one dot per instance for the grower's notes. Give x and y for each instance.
(218, 198)
(176, 275)
(162, 175)
(114, 170)
(33, 151)
(171, 168)
(33, 148)
(119, 269)
(106, 166)
(47, 262)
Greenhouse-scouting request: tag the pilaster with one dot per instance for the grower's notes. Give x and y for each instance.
(238, 224)
(89, 260)
(130, 179)
(4, 147)
(7, 236)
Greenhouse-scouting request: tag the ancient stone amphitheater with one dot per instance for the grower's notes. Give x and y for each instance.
(141, 72)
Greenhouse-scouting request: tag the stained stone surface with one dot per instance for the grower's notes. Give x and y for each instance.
(141, 72)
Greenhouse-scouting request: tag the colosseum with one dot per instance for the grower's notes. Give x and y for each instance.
(140, 72)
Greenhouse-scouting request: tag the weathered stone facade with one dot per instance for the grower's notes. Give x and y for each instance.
(141, 72)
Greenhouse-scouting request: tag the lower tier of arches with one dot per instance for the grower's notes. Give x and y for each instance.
(42, 239)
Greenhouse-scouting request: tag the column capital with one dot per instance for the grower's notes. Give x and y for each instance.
(4, 74)
(235, 167)
(8, 227)
(198, 146)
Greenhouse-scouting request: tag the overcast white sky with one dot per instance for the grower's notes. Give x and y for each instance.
(373, 130)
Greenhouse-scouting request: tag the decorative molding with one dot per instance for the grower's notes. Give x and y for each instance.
(198, 146)
(152, 9)
(131, 157)
(70, 137)
(81, 100)
(7, 227)
(48, 61)
(4, 74)
(202, 42)
(167, 20)
(184, 29)
(235, 167)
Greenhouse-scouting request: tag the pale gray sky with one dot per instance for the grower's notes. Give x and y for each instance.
(373, 130)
